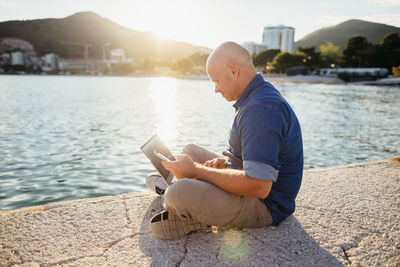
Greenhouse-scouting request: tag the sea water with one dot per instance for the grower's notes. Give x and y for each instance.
(70, 137)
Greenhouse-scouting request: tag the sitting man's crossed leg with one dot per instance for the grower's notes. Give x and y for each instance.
(196, 205)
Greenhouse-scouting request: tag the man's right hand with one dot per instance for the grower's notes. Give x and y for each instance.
(217, 163)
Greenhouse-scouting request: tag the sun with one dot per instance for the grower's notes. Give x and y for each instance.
(169, 20)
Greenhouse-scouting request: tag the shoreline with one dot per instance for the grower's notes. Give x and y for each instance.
(275, 78)
(307, 79)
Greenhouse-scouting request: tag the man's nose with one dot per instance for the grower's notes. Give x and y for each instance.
(216, 89)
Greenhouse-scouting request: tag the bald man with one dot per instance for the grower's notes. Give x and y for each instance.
(255, 181)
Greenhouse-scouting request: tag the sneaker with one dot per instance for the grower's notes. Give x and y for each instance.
(156, 184)
(168, 225)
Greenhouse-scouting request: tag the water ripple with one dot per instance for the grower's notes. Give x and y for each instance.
(64, 138)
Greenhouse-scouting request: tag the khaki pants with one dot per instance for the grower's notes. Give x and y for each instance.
(208, 204)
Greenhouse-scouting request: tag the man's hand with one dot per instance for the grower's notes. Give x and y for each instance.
(234, 181)
(217, 163)
(184, 167)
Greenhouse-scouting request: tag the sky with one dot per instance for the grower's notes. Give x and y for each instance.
(211, 22)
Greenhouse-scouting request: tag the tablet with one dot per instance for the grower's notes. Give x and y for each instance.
(155, 146)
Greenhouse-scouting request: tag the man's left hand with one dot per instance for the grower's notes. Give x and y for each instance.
(217, 163)
(184, 167)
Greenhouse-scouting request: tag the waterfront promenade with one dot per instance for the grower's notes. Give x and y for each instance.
(346, 215)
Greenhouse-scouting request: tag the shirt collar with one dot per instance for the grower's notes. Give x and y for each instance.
(257, 80)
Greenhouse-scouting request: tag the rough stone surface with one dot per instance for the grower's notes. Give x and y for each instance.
(346, 215)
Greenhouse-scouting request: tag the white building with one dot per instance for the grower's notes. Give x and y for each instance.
(117, 56)
(17, 58)
(279, 37)
(253, 47)
(78, 65)
(52, 61)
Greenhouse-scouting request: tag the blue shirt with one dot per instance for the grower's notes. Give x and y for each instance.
(265, 141)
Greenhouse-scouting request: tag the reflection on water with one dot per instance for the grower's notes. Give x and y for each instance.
(65, 138)
(162, 91)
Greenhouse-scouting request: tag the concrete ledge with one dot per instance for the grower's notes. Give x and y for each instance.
(346, 215)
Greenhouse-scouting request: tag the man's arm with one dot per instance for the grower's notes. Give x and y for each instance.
(234, 181)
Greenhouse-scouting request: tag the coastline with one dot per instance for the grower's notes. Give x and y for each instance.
(303, 79)
(274, 78)
(345, 215)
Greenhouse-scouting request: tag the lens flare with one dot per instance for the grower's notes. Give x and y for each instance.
(234, 246)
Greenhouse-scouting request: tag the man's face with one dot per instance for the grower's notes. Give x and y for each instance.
(223, 81)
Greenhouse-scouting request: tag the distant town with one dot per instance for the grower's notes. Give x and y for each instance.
(19, 57)
(359, 60)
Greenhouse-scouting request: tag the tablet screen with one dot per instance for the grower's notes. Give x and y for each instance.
(156, 144)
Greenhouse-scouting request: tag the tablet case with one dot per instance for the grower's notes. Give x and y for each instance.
(148, 148)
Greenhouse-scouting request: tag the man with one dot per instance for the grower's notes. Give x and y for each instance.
(255, 182)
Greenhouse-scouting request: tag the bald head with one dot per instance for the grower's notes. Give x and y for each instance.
(230, 52)
(231, 68)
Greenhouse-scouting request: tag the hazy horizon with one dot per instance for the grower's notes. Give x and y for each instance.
(207, 23)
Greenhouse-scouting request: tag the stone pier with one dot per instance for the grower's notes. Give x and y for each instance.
(346, 215)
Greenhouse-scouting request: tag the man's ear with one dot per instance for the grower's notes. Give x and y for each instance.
(233, 69)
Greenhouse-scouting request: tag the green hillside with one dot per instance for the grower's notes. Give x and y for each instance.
(52, 35)
(340, 33)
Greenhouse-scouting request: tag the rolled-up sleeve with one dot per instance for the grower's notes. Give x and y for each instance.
(261, 129)
(260, 170)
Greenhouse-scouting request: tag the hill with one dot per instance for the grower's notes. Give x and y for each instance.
(340, 33)
(56, 36)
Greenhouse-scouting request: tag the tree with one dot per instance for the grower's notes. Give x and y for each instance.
(330, 54)
(312, 59)
(189, 64)
(384, 54)
(265, 57)
(285, 60)
(355, 53)
(376, 56)
(391, 48)
(146, 65)
(396, 70)
(391, 41)
(184, 65)
(123, 68)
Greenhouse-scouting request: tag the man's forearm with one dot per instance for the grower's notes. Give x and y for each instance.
(234, 181)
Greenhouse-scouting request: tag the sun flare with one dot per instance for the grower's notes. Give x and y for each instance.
(169, 20)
